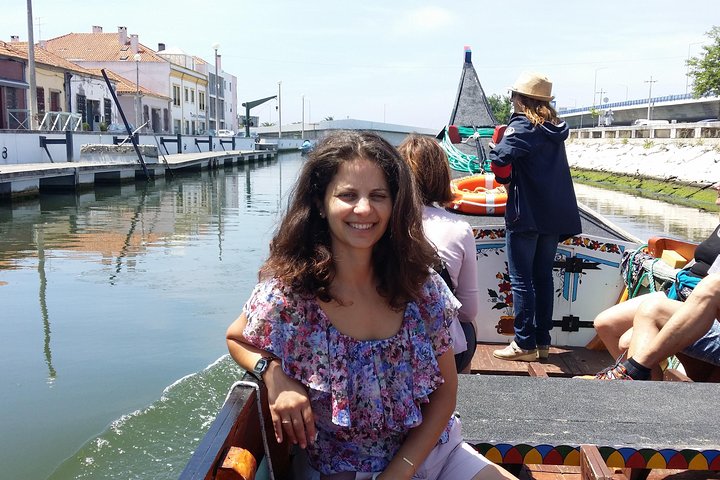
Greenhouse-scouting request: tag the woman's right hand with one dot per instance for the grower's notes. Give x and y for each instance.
(289, 407)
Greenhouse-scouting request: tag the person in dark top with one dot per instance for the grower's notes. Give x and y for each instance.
(541, 210)
(614, 326)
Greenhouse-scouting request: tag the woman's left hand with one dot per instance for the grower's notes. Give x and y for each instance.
(290, 408)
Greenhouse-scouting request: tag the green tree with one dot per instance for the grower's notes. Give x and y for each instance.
(704, 70)
(500, 106)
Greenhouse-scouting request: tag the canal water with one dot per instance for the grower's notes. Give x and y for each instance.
(115, 304)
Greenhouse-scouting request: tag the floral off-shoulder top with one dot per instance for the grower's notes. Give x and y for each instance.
(365, 395)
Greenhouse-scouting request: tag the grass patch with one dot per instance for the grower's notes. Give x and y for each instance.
(678, 193)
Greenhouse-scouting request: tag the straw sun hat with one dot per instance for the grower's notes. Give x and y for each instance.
(533, 85)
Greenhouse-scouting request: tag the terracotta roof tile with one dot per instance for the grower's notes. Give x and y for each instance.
(98, 47)
(7, 50)
(44, 57)
(125, 86)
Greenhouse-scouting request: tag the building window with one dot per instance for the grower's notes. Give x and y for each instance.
(192, 96)
(80, 106)
(166, 120)
(187, 95)
(176, 95)
(201, 100)
(176, 126)
(41, 100)
(107, 111)
(55, 102)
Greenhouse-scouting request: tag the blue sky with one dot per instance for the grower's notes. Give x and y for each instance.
(399, 61)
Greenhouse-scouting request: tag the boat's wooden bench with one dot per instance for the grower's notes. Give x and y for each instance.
(638, 425)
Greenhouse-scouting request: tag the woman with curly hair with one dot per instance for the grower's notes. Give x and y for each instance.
(348, 326)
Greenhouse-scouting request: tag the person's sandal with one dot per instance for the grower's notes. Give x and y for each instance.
(513, 352)
(616, 372)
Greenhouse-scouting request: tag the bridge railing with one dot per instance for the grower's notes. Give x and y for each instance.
(630, 103)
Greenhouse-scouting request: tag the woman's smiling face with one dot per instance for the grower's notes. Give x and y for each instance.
(358, 205)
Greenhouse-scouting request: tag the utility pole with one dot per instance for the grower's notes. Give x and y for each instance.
(651, 81)
(601, 93)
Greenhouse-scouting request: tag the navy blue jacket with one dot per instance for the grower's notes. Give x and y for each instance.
(541, 196)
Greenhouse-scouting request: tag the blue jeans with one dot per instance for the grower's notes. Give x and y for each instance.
(530, 263)
(707, 348)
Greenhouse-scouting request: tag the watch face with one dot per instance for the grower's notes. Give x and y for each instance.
(261, 366)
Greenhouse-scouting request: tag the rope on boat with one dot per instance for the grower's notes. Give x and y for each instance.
(460, 161)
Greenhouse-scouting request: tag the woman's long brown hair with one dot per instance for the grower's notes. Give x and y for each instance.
(537, 111)
(300, 251)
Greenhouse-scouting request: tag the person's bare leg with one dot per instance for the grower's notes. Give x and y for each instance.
(689, 321)
(612, 323)
(624, 342)
(650, 318)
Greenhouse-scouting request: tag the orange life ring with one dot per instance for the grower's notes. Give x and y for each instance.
(479, 195)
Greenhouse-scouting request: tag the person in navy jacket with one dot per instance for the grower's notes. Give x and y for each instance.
(541, 210)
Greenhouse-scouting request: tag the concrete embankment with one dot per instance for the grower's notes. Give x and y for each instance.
(674, 172)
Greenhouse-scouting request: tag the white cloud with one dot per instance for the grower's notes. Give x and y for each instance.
(424, 19)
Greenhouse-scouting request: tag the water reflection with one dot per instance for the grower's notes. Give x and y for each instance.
(645, 217)
(42, 300)
(133, 286)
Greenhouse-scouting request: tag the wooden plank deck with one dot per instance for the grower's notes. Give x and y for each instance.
(563, 362)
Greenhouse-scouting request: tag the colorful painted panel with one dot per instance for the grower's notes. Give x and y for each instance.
(614, 457)
(587, 281)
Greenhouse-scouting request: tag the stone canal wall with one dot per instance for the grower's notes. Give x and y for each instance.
(676, 172)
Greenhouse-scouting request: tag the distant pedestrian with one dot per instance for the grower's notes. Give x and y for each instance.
(541, 210)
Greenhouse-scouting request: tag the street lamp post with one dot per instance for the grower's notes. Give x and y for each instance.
(595, 84)
(137, 57)
(279, 110)
(302, 123)
(215, 47)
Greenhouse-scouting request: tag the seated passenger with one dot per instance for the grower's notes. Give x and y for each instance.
(452, 237)
(614, 322)
(663, 327)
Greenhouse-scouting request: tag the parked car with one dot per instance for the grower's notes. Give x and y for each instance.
(119, 128)
(645, 121)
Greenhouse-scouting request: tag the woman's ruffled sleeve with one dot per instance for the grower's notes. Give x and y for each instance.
(286, 324)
